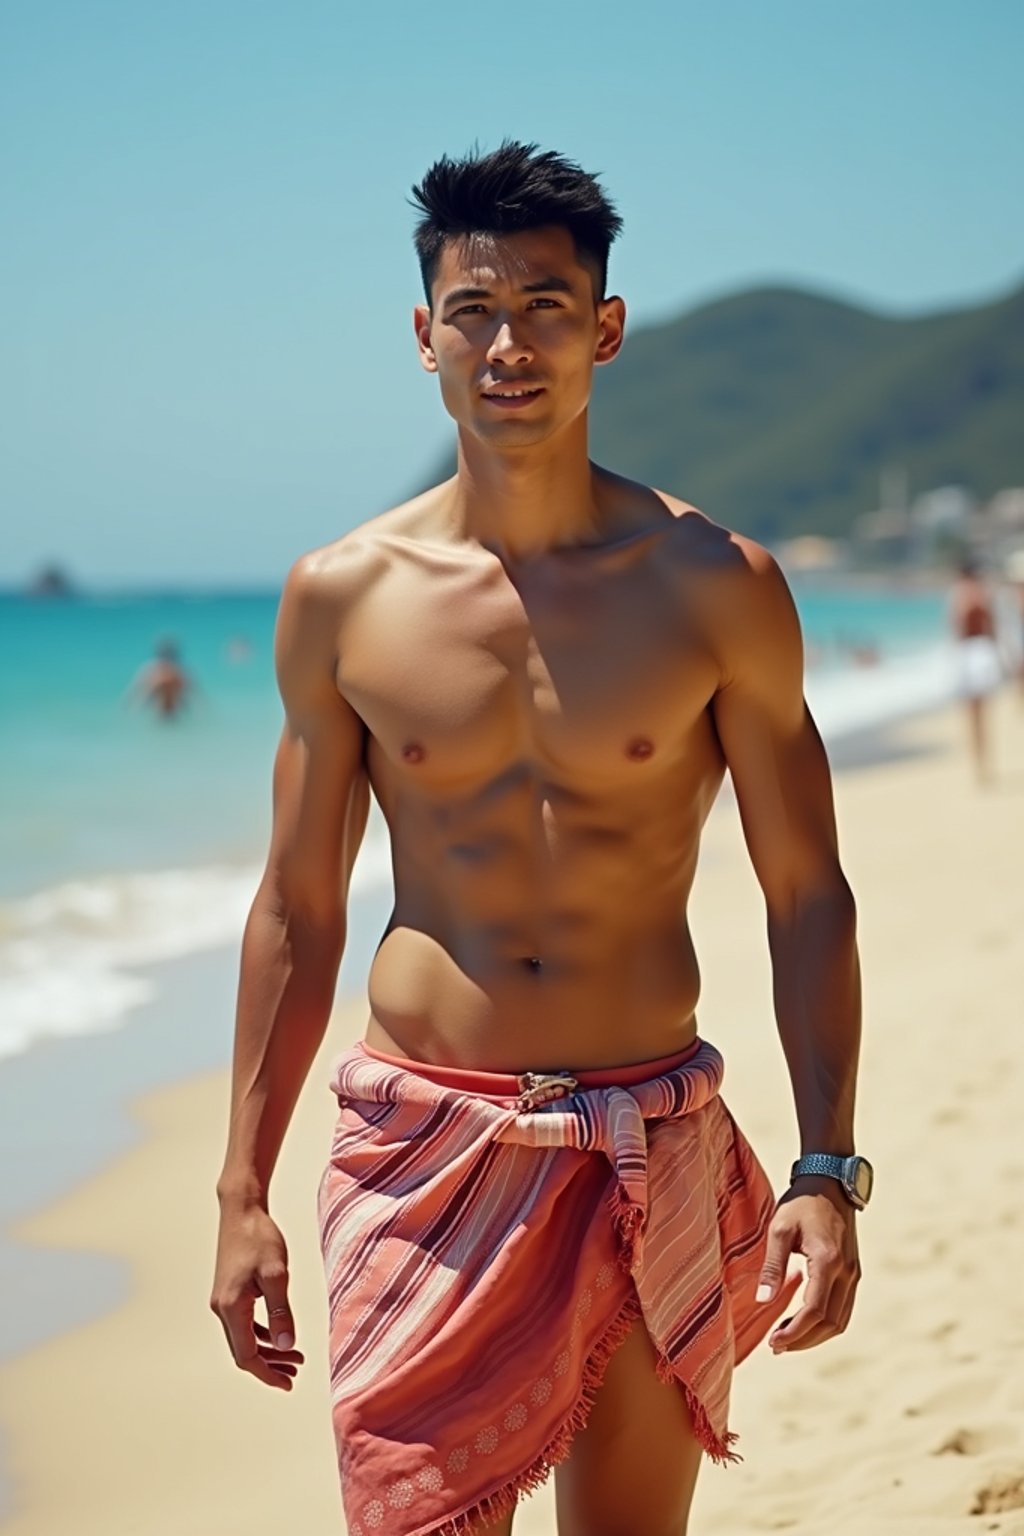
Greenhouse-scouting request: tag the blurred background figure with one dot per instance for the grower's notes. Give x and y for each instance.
(163, 683)
(238, 649)
(980, 673)
(1015, 582)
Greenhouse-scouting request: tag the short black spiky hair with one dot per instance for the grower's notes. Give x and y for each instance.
(516, 187)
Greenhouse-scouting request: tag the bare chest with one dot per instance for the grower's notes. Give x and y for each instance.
(461, 678)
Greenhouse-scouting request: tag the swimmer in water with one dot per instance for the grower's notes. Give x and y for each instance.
(163, 684)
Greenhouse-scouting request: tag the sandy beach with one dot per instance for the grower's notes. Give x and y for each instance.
(911, 1424)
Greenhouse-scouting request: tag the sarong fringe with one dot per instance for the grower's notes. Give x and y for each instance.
(717, 1447)
(504, 1499)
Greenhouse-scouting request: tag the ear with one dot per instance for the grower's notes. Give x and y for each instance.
(611, 329)
(421, 323)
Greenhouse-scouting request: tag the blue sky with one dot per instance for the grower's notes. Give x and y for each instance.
(207, 274)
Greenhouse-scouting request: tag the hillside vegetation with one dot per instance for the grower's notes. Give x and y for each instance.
(775, 410)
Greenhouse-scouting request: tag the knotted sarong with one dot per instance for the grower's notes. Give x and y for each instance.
(486, 1252)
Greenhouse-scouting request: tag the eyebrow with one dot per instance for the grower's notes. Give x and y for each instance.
(550, 284)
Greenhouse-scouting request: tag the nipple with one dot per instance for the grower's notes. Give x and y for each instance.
(639, 748)
(412, 752)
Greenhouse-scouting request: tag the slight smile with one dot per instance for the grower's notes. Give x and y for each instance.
(511, 398)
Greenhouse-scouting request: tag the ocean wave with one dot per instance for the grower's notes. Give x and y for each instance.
(852, 699)
(69, 955)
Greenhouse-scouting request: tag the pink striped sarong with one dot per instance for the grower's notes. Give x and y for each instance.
(484, 1260)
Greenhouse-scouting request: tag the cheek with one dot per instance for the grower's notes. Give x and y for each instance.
(455, 370)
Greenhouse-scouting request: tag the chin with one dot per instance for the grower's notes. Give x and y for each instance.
(514, 429)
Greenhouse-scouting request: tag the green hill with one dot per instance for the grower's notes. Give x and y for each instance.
(775, 410)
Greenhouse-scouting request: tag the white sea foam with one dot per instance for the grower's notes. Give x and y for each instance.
(68, 955)
(859, 698)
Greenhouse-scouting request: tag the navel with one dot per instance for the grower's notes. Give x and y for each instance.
(413, 752)
(639, 748)
(533, 963)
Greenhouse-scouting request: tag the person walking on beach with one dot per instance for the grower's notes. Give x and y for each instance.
(545, 1239)
(973, 622)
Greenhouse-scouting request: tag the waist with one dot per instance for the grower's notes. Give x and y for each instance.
(505, 1086)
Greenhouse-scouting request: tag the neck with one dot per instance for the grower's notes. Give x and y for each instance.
(522, 502)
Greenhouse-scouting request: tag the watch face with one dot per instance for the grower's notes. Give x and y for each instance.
(862, 1178)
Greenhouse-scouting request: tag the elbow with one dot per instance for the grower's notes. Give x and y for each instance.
(824, 894)
(306, 919)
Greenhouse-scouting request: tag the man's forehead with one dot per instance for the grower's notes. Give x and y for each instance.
(486, 260)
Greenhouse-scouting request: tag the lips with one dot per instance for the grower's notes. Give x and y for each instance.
(510, 395)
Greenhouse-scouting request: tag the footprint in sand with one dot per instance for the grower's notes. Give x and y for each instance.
(967, 1442)
(972, 1440)
(1003, 1491)
(840, 1365)
(942, 1331)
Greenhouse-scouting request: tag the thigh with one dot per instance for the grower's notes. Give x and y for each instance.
(634, 1467)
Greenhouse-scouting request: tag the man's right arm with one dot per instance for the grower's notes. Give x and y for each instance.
(291, 951)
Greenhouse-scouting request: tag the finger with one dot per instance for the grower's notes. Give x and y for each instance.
(271, 1352)
(237, 1321)
(813, 1313)
(270, 1375)
(830, 1327)
(780, 1244)
(837, 1314)
(274, 1285)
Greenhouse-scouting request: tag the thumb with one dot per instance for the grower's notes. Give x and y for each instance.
(776, 1259)
(279, 1313)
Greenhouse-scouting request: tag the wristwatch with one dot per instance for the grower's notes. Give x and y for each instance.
(855, 1174)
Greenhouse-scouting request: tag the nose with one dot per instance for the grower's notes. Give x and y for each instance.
(508, 347)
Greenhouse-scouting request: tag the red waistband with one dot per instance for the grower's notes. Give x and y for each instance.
(506, 1085)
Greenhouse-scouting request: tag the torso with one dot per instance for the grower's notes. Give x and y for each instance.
(540, 741)
(972, 611)
(165, 687)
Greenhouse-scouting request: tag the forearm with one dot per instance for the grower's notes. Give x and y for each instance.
(817, 1006)
(286, 990)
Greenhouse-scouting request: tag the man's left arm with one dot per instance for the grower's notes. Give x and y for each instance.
(784, 792)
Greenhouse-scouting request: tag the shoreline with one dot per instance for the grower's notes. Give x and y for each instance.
(63, 1228)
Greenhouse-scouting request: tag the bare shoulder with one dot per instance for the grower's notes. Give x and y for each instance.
(735, 589)
(342, 571)
(715, 551)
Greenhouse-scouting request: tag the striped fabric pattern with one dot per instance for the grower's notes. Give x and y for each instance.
(483, 1263)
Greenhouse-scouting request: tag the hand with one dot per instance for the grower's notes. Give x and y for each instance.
(816, 1219)
(252, 1262)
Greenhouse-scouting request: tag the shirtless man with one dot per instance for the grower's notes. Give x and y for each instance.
(543, 670)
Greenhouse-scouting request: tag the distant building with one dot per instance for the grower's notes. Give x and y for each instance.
(883, 538)
(811, 553)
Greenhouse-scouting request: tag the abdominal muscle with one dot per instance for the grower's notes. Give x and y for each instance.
(586, 966)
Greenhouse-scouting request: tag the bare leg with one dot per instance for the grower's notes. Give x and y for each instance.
(634, 1467)
(979, 740)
